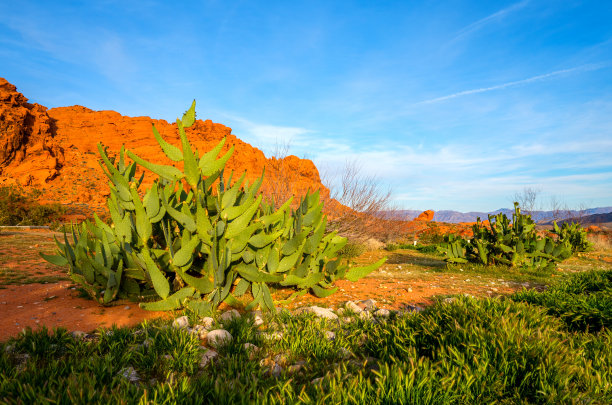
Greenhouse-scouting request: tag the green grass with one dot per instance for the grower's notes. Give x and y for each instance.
(583, 301)
(470, 351)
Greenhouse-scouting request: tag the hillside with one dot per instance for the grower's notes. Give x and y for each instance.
(55, 150)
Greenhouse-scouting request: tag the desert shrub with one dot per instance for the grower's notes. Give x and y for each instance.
(392, 247)
(583, 301)
(351, 250)
(19, 207)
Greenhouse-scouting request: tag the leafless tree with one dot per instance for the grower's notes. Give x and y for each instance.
(370, 212)
(528, 200)
(279, 185)
(559, 210)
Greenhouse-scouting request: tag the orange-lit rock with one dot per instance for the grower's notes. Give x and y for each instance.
(55, 150)
(29, 153)
(425, 216)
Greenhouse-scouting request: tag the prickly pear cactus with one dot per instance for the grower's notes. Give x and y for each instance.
(508, 243)
(196, 238)
(574, 234)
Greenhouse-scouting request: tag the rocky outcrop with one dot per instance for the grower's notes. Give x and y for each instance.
(425, 216)
(57, 150)
(29, 152)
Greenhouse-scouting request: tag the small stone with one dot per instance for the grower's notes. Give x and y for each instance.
(147, 342)
(280, 359)
(383, 313)
(367, 305)
(413, 308)
(325, 313)
(409, 289)
(207, 322)
(181, 322)
(351, 306)
(294, 368)
(329, 335)
(251, 349)
(218, 337)
(317, 381)
(229, 315)
(78, 334)
(344, 352)
(366, 315)
(340, 311)
(200, 330)
(207, 357)
(449, 300)
(258, 321)
(276, 370)
(129, 374)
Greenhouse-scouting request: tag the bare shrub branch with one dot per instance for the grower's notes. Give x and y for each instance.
(371, 213)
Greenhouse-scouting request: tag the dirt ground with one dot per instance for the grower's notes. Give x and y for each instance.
(34, 293)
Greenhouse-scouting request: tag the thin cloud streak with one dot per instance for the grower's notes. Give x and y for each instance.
(578, 69)
(475, 26)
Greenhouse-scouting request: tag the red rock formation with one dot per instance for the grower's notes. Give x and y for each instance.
(57, 150)
(425, 216)
(29, 153)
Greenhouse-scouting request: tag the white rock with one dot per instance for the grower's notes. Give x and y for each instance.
(207, 322)
(130, 374)
(229, 315)
(383, 313)
(207, 357)
(340, 311)
(181, 323)
(200, 330)
(250, 347)
(368, 305)
(351, 306)
(329, 335)
(366, 316)
(449, 300)
(320, 312)
(218, 337)
(258, 320)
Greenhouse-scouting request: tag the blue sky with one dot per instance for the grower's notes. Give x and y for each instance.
(452, 104)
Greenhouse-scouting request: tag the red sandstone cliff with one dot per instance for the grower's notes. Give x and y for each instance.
(29, 152)
(55, 150)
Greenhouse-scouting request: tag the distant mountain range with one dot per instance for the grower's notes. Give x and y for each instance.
(538, 216)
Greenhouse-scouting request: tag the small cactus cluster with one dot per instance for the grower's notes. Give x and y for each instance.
(196, 239)
(508, 243)
(575, 234)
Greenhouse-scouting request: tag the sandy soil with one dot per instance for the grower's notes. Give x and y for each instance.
(34, 293)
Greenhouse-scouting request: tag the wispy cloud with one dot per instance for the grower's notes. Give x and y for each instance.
(578, 69)
(498, 15)
(267, 137)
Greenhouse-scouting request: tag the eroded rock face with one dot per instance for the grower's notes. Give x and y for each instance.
(58, 148)
(29, 153)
